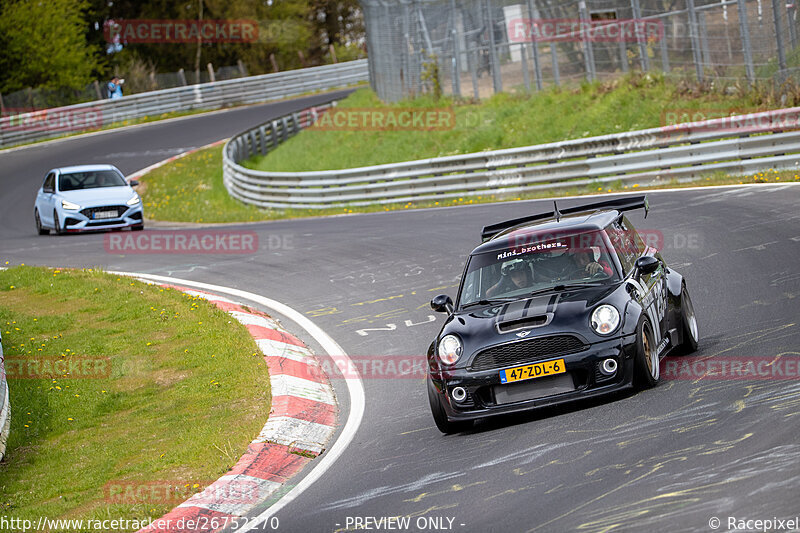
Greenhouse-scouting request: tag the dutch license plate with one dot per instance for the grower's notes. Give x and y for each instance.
(105, 214)
(536, 370)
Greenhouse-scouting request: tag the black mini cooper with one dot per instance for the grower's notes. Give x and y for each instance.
(556, 307)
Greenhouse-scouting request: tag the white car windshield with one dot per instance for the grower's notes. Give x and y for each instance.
(76, 181)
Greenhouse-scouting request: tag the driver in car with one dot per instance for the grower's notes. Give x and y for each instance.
(584, 259)
(514, 275)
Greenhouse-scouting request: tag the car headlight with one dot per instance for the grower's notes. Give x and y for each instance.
(134, 201)
(69, 205)
(605, 319)
(450, 349)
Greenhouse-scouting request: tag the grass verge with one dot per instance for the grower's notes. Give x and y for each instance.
(185, 394)
(506, 120)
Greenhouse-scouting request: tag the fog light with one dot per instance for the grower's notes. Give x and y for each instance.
(458, 394)
(609, 367)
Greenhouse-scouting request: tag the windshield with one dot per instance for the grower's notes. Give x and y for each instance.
(521, 270)
(94, 179)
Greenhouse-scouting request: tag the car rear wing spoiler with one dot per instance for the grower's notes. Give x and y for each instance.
(620, 204)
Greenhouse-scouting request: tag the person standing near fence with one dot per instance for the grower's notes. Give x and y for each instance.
(115, 87)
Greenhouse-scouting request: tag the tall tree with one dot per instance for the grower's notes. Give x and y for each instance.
(43, 44)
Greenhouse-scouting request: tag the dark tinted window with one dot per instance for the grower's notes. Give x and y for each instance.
(76, 181)
(627, 243)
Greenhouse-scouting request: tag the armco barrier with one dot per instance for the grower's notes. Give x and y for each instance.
(5, 406)
(682, 152)
(34, 126)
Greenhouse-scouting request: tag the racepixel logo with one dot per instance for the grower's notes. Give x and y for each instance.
(55, 120)
(57, 367)
(174, 492)
(191, 242)
(577, 30)
(744, 368)
(181, 31)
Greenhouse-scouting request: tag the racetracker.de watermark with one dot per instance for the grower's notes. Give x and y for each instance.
(382, 119)
(55, 120)
(191, 242)
(729, 120)
(134, 31)
(742, 368)
(577, 30)
(174, 492)
(56, 367)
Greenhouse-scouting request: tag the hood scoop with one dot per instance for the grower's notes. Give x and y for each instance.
(524, 323)
(525, 314)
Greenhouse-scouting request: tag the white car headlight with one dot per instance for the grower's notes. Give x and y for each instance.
(605, 319)
(450, 349)
(69, 205)
(134, 201)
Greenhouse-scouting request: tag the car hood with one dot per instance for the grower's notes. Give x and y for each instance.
(99, 197)
(546, 314)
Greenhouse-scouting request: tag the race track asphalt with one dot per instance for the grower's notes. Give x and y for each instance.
(670, 458)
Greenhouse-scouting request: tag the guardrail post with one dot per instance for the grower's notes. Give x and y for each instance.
(285, 126)
(262, 138)
(275, 140)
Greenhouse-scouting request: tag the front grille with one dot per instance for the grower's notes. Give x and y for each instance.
(526, 351)
(90, 211)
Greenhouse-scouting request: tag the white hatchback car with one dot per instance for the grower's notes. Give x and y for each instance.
(87, 198)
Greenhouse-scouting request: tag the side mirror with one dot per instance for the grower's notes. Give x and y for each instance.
(442, 304)
(647, 265)
(133, 183)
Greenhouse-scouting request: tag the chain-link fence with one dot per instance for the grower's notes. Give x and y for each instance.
(480, 47)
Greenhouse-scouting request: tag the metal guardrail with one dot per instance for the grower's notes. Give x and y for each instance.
(48, 123)
(5, 407)
(682, 152)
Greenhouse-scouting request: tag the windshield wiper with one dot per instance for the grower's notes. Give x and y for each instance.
(490, 302)
(559, 288)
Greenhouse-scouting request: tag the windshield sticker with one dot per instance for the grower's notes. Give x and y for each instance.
(559, 245)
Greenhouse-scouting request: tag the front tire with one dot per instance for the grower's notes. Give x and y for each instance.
(39, 228)
(138, 227)
(440, 416)
(646, 362)
(689, 331)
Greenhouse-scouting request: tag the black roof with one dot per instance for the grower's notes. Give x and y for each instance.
(594, 216)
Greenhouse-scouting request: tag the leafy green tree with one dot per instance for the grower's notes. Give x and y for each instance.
(43, 44)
